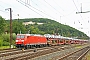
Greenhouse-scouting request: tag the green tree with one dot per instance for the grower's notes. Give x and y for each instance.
(2, 25)
(34, 30)
(17, 27)
(6, 37)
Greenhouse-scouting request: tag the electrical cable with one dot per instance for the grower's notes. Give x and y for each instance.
(53, 7)
(36, 4)
(36, 9)
(58, 5)
(28, 7)
(41, 11)
(4, 7)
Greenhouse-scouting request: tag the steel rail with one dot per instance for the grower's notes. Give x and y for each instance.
(70, 54)
(83, 54)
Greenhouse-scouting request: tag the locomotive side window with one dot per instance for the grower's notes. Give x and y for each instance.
(20, 36)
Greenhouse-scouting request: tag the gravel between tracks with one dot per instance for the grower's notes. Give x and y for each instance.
(52, 56)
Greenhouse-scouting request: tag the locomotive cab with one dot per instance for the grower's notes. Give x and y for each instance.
(20, 40)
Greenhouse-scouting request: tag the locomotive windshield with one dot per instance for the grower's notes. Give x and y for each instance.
(20, 36)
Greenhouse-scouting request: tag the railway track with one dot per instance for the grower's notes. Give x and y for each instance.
(29, 53)
(16, 51)
(8, 50)
(57, 54)
(20, 54)
(12, 52)
(40, 52)
(32, 55)
(76, 55)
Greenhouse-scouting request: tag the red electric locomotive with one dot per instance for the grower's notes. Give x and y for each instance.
(30, 40)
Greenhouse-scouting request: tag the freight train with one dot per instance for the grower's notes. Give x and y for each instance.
(36, 40)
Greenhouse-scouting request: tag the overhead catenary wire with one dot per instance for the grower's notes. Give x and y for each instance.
(28, 3)
(35, 4)
(64, 11)
(58, 5)
(46, 6)
(52, 7)
(23, 3)
(62, 15)
(60, 8)
(29, 6)
(6, 11)
(40, 10)
(22, 10)
(2, 11)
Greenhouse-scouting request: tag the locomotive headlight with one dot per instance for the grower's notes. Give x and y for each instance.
(22, 40)
(16, 40)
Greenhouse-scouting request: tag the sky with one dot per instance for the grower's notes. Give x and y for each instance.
(62, 11)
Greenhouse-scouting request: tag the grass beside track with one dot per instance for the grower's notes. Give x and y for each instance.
(78, 46)
(5, 47)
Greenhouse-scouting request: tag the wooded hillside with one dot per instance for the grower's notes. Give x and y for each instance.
(51, 27)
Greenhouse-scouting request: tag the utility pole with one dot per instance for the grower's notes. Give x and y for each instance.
(10, 26)
(81, 10)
